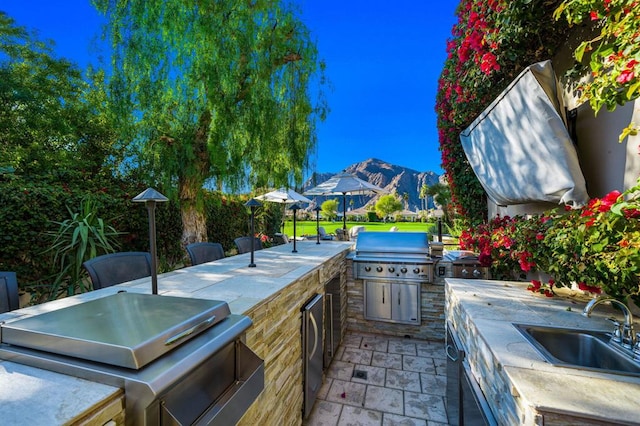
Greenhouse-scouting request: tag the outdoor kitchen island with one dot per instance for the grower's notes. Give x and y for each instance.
(270, 294)
(519, 386)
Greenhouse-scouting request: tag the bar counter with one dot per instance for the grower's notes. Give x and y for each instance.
(267, 293)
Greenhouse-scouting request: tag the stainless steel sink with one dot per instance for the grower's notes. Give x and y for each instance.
(582, 349)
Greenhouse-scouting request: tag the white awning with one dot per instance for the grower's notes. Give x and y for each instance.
(519, 147)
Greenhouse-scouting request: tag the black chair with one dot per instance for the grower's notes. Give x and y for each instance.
(115, 268)
(204, 252)
(279, 239)
(9, 299)
(243, 244)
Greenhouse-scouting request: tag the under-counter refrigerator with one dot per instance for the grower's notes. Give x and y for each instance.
(312, 350)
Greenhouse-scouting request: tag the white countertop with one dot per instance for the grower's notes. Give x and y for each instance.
(31, 396)
(492, 306)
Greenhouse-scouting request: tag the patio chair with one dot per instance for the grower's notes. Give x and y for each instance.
(115, 268)
(280, 239)
(243, 244)
(204, 252)
(355, 230)
(323, 234)
(9, 299)
(342, 235)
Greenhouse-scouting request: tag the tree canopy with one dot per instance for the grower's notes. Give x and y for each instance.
(330, 209)
(387, 205)
(48, 118)
(213, 93)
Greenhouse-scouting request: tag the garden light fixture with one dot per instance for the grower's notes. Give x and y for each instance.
(253, 204)
(150, 197)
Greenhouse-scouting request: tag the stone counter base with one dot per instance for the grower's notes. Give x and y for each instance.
(431, 311)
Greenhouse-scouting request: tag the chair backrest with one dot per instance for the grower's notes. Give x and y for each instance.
(9, 299)
(342, 234)
(243, 244)
(321, 231)
(279, 239)
(204, 252)
(115, 268)
(354, 230)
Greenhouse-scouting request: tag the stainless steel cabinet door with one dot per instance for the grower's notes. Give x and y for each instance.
(377, 300)
(312, 347)
(406, 301)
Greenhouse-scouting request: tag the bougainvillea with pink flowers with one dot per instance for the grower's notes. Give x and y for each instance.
(613, 53)
(597, 247)
(494, 40)
(491, 43)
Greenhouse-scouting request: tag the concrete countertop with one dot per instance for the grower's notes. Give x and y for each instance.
(492, 307)
(36, 397)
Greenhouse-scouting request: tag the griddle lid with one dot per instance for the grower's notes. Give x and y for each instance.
(125, 329)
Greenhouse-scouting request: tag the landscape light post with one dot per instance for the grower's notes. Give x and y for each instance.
(253, 204)
(150, 197)
(294, 207)
(317, 210)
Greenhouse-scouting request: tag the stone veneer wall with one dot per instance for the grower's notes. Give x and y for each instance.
(431, 311)
(493, 380)
(276, 338)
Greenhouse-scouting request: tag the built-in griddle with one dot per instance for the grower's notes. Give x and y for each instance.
(180, 360)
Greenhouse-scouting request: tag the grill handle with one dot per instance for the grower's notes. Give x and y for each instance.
(173, 339)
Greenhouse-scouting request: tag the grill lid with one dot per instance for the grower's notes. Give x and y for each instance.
(125, 329)
(391, 244)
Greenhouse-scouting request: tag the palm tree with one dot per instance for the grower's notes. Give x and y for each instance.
(442, 197)
(423, 195)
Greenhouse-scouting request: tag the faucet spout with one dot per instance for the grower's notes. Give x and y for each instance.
(628, 337)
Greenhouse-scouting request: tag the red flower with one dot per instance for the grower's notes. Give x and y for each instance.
(489, 63)
(485, 259)
(594, 15)
(631, 213)
(625, 76)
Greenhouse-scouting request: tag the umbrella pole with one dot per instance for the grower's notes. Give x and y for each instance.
(344, 212)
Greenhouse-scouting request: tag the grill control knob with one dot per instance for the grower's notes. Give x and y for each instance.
(379, 269)
(416, 270)
(403, 270)
(392, 269)
(367, 268)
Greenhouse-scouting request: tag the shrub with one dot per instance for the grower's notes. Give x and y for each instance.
(596, 247)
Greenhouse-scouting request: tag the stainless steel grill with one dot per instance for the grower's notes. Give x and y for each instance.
(398, 256)
(179, 360)
(393, 266)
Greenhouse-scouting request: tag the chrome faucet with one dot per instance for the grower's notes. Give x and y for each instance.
(623, 335)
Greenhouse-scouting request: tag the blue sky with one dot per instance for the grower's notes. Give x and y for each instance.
(383, 61)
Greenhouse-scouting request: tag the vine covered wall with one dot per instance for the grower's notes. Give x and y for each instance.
(494, 40)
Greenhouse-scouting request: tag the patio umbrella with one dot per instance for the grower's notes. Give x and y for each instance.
(344, 183)
(287, 196)
(284, 196)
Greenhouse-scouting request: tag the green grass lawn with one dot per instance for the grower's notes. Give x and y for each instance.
(309, 227)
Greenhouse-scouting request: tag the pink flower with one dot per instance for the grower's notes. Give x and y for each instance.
(625, 76)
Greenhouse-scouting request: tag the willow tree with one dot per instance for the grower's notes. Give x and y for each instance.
(214, 92)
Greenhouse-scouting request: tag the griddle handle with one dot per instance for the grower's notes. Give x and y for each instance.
(173, 339)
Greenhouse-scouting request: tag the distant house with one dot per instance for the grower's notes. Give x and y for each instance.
(408, 215)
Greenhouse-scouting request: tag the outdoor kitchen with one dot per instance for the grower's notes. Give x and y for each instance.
(248, 338)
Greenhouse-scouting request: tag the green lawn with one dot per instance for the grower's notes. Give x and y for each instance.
(309, 227)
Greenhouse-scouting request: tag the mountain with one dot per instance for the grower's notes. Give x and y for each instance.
(394, 179)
